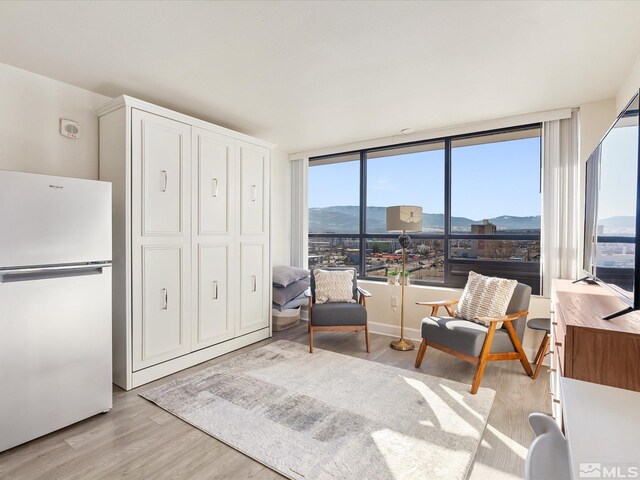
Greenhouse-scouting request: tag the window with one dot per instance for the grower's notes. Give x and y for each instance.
(480, 196)
(408, 175)
(334, 195)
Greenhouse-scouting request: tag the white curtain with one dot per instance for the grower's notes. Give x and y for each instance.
(561, 192)
(299, 215)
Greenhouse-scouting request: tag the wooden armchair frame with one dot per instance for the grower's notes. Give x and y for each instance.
(362, 300)
(485, 356)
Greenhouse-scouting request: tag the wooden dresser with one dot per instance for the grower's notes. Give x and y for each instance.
(586, 347)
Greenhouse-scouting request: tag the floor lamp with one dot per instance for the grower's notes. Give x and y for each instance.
(403, 218)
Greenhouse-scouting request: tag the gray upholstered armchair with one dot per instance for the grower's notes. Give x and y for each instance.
(474, 342)
(344, 317)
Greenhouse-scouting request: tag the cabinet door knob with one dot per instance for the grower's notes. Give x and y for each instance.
(165, 299)
(558, 344)
(215, 289)
(165, 179)
(254, 193)
(214, 187)
(254, 281)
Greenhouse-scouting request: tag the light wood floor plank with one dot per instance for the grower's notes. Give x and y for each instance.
(138, 440)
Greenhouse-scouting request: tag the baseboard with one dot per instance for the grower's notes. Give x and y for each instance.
(394, 331)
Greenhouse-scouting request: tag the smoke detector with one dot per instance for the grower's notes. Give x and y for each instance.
(69, 128)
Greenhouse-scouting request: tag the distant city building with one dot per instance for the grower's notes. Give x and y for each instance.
(484, 228)
(482, 248)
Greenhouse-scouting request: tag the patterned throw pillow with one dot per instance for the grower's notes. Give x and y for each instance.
(485, 297)
(334, 286)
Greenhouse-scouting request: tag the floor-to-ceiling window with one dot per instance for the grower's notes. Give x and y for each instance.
(480, 195)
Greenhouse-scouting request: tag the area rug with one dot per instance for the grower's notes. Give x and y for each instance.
(330, 416)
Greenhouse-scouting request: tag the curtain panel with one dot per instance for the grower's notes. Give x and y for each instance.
(299, 213)
(561, 194)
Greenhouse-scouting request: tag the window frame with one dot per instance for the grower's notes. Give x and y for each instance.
(449, 279)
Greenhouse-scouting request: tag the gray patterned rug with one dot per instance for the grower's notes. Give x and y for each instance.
(331, 416)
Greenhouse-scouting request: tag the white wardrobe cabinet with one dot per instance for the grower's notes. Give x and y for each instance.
(191, 276)
(254, 164)
(255, 287)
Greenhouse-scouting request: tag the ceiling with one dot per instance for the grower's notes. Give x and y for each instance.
(311, 74)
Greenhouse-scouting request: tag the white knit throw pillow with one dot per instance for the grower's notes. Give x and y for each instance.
(485, 297)
(334, 286)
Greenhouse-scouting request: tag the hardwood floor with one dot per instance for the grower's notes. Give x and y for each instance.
(138, 440)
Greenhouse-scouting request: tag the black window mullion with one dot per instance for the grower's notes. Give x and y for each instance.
(363, 213)
(447, 208)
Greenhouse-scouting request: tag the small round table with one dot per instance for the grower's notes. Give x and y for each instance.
(542, 324)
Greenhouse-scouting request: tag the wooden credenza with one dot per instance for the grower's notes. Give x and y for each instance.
(586, 347)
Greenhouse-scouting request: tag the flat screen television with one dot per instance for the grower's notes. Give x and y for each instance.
(611, 211)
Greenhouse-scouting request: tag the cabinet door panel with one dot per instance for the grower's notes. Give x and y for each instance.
(254, 307)
(254, 165)
(214, 320)
(161, 327)
(214, 159)
(160, 149)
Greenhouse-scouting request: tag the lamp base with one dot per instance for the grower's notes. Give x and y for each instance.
(402, 345)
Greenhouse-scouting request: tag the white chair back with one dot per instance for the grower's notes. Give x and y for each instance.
(548, 456)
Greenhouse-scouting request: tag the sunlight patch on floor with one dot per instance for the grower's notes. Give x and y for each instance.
(447, 418)
(401, 454)
(483, 471)
(514, 446)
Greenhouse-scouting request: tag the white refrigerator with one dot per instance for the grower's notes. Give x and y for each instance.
(55, 303)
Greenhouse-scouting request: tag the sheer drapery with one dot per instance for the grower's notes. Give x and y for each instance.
(561, 230)
(299, 214)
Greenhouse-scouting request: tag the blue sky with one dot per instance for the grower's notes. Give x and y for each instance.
(488, 180)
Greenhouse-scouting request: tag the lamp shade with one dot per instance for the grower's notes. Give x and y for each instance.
(404, 218)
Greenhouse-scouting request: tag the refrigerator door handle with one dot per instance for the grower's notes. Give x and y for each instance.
(43, 273)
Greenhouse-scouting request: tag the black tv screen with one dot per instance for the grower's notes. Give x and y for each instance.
(611, 207)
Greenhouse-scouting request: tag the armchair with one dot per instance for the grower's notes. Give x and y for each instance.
(343, 317)
(474, 342)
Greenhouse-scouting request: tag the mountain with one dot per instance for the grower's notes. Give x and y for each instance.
(507, 222)
(618, 225)
(345, 219)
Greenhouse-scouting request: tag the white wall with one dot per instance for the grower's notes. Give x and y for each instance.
(629, 86)
(595, 120)
(31, 108)
(280, 208)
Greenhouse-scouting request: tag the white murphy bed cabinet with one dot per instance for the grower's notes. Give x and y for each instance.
(192, 270)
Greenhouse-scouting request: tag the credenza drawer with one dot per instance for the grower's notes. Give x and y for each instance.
(558, 353)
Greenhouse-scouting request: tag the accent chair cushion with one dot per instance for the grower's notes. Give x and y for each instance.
(333, 286)
(485, 297)
(463, 336)
(338, 314)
